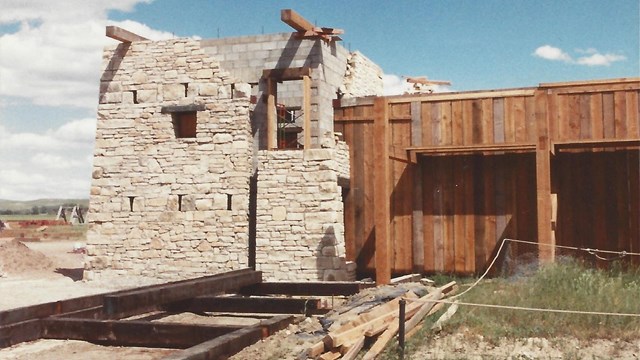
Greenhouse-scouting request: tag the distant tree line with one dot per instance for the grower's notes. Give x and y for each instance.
(39, 210)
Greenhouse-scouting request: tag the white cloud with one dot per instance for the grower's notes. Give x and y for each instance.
(549, 52)
(54, 163)
(598, 59)
(396, 85)
(55, 56)
(592, 56)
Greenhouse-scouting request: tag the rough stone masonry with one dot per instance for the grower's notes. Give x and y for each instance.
(178, 142)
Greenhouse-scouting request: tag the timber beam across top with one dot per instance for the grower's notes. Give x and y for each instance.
(123, 35)
(306, 29)
(414, 151)
(587, 145)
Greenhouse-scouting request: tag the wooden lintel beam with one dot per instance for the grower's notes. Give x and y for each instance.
(286, 74)
(260, 305)
(123, 35)
(133, 333)
(295, 20)
(182, 108)
(139, 300)
(328, 288)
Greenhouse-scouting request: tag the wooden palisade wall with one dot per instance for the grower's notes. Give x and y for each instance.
(466, 170)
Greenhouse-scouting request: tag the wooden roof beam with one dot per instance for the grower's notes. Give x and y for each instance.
(123, 35)
(424, 81)
(295, 20)
(306, 29)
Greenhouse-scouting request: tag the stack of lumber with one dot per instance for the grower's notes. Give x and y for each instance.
(380, 324)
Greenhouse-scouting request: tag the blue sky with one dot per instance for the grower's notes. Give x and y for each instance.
(50, 58)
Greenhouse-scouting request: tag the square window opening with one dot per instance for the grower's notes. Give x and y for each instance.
(184, 124)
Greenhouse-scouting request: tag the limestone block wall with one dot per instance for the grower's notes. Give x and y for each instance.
(300, 215)
(362, 78)
(163, 205)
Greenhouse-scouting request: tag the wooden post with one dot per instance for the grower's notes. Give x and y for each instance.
(306, 110)
(417, 215)
(272, 120)
(546, 241)
(381, 174)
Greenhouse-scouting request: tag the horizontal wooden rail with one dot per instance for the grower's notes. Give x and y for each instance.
(135, 301)
(258, 305)
(133, 333)
(594, 144)
(320, 288)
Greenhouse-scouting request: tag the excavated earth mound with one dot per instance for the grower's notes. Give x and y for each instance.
(16, 258)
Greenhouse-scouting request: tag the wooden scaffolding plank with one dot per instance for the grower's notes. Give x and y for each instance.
(133, 333)
(138, 300)
(381, 191)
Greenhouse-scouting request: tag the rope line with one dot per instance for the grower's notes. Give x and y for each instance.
(495, 258)
(589, 250)
(526, 308)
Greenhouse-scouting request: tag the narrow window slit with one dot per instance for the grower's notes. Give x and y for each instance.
(180, 202)
(229, 201)
(186, 88)
(131, 199)
(135, 96)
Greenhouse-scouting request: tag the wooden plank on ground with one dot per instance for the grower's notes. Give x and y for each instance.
(133, 333)
(419, 310)
(310, 288)
(137, 300)
(218, 348)
(47, 309)
(235, 304)
(406, 278)
(354, 349)
(19, 332)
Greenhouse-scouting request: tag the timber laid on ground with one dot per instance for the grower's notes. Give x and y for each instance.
(101, 318)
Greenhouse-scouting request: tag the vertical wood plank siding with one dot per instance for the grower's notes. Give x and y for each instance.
(450, 210)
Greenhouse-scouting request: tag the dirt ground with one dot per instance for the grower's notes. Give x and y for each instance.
(37, 272)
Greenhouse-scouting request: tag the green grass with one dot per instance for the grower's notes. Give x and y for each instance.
(567, 284)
